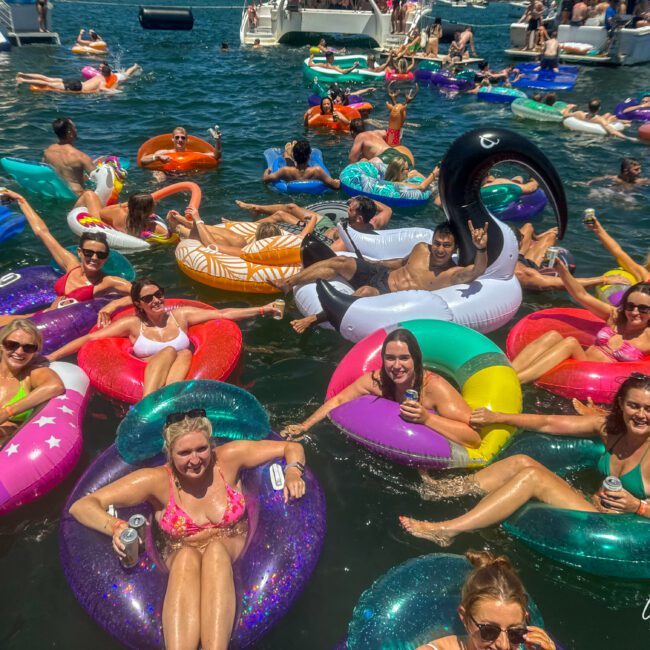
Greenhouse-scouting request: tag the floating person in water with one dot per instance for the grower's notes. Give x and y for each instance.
(627, 178)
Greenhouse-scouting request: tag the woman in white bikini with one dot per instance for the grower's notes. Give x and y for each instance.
(160, 337)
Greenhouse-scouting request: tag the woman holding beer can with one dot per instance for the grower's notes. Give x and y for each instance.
(510, 483)
(198, 503)
(403, 379)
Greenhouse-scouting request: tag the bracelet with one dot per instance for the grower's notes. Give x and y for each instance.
(117, 524)
(200, 222)
(481, 250)
(261, 310)
(643, 507)
(297, 465)
(9, 411)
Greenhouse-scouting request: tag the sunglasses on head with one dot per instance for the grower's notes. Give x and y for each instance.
(631, 306)
(179, 416)
(160, 294)
(88, 253)
(12, 346)
(490, 632)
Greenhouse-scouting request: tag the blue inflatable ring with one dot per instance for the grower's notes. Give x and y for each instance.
(275, 160)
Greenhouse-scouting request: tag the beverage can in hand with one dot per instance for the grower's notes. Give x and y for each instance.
(279, 304)
(129, 538)
(589, 217)
(139, 524)
(612, 484)
(411, 395)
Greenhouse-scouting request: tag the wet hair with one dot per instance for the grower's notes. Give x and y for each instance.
(367, 207)
(493, 578)
(402, 66)
(24, 325)
(172, 432)
(357, 126)
(639, 287)
(323, 100)
(224, 45)
(395, 170)
(93, 34)
(483, 65)
(553, 34)
(136, 290)
(62, 126)
(614, 423)
(537, 97)
(181, 129)
(140, 208)
(105, 69)
(550, 99)
(301, 152)
(594, 105)
(446, 230)
(404, 336)
(437, 20)
(627, 162)
(94, 236)
(329, 55)
(265, 230)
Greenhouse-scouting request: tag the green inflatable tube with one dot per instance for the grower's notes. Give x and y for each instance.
(234, 413)
(39, 178)
(498, 197)
(116, 264)
(602, 544)
(532, 110)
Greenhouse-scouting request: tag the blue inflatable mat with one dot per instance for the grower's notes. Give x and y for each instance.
(11, 223)
(38, 178)
(275, 160)
(565, 79)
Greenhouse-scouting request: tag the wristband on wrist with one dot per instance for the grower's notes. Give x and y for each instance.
(117, 524)
(481, 250)
(643, 507)
(200, 222)
(297, 465)
(261, 310)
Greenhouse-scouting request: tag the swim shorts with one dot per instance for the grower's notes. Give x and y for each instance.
(323, 225)
(549, 63)
(370, 275)
(391, 154)
(393, 137)
(529, 263)
(533, 25)
(297, 228)
(74, 85)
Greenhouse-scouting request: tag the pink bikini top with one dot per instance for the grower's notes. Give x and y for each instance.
(626, 352)
(176, 523)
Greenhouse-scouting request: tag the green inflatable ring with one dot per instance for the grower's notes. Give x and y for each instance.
(532, 110)
(116, 264)
(498, 197)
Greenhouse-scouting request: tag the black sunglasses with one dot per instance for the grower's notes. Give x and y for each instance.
(160, 294)
(490, 632)
(12, 346)
(179, 416)
(631, 306)
(88, 253)
(180, 137)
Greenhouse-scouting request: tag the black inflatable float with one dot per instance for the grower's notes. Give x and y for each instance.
(178, 18)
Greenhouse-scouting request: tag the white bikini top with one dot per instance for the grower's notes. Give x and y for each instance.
(146, 347)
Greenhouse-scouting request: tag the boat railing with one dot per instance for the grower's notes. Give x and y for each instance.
(6, 18)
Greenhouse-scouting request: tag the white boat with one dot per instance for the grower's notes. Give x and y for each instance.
(628, 46)
(452, 3)
(278, 19)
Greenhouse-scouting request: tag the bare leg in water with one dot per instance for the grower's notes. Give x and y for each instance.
(509, 484)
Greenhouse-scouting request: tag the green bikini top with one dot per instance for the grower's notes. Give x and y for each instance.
(19, 418)
(632, 481)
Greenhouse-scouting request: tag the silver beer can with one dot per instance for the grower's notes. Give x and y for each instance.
(129, 538)
(139, 524)
(612, 484)
(411, 394)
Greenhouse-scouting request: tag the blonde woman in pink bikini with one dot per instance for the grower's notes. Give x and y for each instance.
(197, 500)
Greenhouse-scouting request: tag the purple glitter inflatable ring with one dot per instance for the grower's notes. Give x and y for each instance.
(282, 549)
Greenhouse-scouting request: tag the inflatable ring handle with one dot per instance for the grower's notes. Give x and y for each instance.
(9, 278)
(186, 186)
(463, 169)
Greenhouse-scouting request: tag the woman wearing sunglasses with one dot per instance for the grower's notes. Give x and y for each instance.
(83, 279)
(159, 337)
(24, 382)
(198, 503)
(494, 610)
(512, 482)
(625, 337)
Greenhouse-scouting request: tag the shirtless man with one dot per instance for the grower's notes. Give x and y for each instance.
(534, 15)
(397, 116)
(591, 115)
(428, 267)
(296, 155)
(465, 41)
(644, 103)
(179, 139)
(527, 187)
(364, 215)
(370, 145)
(329, 64)
(550, 54)
(629, 176)
(579, 14)
(107, 81)
(69, 163)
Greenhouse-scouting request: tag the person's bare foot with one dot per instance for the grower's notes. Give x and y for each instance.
(251, 207)
(588, 407)
(427, 530)
(288, 149)
(302, 324)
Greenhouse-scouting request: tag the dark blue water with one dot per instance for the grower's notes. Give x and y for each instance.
(258, 98)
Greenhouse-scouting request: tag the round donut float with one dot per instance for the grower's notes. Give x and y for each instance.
(475, 364)
(571, 378)
(282, 548)
(196, 157)
(114, 371)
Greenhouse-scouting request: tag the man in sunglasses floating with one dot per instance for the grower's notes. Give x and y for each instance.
(179, 139)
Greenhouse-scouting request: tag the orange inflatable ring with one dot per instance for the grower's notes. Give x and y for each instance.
(316, 119)
(97, 48)
(114, 371)
(194, 158)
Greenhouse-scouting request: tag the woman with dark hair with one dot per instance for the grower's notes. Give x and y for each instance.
(625, 336)
(327, 108)
(512, 482)
(493, 609)
(159, 336)
(136, 217)
(439, 405)
(83, 279)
